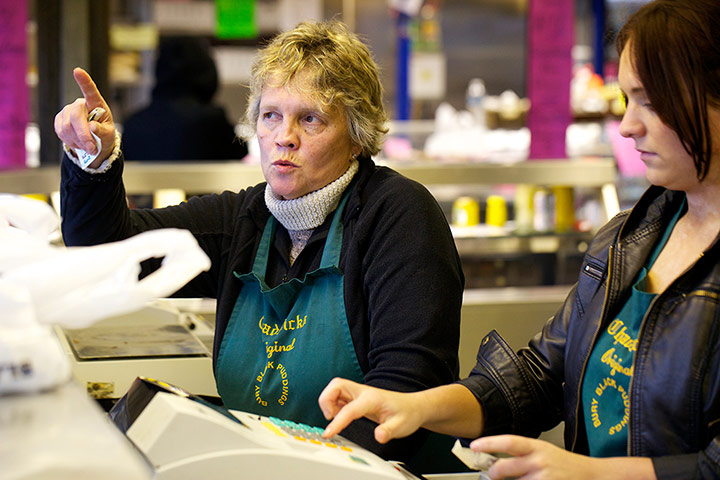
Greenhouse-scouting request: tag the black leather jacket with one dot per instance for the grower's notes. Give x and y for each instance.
(675, 389)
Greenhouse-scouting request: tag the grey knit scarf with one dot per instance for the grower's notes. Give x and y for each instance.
(300, 216)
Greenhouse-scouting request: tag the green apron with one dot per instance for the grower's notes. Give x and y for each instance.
(283, 345)
(606, 385)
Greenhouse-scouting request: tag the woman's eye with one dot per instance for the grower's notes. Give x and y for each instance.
(268, 115)
(644, 102)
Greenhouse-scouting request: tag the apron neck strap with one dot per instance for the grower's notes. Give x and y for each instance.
(333, 243)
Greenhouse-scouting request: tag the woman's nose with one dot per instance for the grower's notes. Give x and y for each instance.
(287, 135)
(631, 126)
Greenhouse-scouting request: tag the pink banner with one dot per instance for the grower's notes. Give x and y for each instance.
(14, 106)
(551, 36)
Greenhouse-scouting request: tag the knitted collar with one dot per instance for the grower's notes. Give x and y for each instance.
(309, 211)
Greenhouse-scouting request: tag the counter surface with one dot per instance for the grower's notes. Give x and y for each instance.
(63, 434)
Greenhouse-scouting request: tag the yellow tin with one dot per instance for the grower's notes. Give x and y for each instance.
(465, 212)
(496, 213)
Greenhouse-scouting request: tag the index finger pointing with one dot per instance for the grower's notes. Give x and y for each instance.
(344, 417)
(89, 89)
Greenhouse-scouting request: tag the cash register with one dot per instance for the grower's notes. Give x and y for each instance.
(184, 436)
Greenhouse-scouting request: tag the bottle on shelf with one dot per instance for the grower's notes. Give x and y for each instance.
(523, 204)
(543, 210)
(475, 101)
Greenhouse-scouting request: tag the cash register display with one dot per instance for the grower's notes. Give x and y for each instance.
(186, 437)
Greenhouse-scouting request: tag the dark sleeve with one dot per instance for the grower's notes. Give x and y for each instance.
(93, 206)
(702, 465)
(94, 210)
(526, 393)
(412, 282)
(681, 467)
(519, 393)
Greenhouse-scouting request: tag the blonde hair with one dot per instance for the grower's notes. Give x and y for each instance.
(341, 73)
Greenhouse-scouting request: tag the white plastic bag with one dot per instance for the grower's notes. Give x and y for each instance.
(76, 286)
(31, 357)
(30, 216)
(42, 285)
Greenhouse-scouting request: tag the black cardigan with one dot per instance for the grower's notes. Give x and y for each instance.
(403, 279)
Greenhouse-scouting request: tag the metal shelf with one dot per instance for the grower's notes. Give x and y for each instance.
(585, 172)
(146, 177)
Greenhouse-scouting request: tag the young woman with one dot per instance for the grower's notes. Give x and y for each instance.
(631, 362)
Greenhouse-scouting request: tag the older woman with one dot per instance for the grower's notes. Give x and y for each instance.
(334, 267)
(631, 361)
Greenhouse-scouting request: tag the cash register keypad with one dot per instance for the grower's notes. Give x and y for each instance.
(305, 433)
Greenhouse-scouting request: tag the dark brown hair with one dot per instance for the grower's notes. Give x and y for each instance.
(675, 49)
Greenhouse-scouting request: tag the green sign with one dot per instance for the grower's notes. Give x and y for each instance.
(236, 19)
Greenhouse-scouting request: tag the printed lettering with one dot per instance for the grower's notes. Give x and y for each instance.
(14, 371)
(594, 413)
(264, 327)
(613, 361)
(275, 348)
(284, 383)
(257, 397)
(614, 326)
(618, 330)
(283, 376)
(607, 382)
(618, 427)
(287, 325)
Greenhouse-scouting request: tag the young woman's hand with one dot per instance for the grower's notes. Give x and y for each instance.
(530, 458)
(397, 414)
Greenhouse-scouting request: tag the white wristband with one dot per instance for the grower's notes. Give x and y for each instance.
(84, 157)
(105, 165)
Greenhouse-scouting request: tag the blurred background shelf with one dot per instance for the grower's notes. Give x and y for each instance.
(146, 177)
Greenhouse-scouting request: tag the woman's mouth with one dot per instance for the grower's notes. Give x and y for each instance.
(284, 165)
(645, 155)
